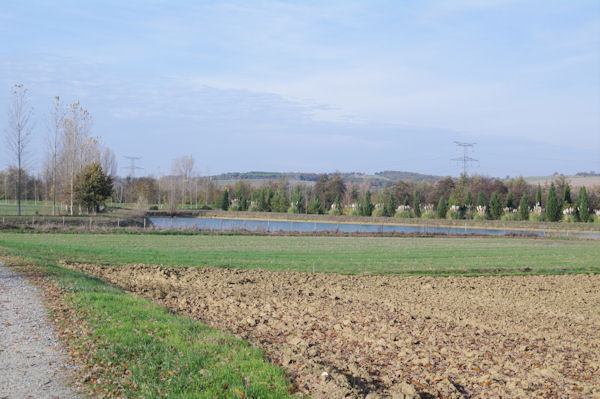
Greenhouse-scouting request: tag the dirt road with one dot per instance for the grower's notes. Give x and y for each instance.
(32, 364)
(453, 337)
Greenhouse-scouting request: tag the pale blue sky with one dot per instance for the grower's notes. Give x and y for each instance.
(318, 85)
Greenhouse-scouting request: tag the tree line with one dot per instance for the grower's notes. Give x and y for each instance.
(475, 197)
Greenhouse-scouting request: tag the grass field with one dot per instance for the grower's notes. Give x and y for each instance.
(405, 255)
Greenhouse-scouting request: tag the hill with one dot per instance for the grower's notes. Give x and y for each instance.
(379, 179)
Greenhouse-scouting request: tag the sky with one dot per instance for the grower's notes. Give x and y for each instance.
(317, 86)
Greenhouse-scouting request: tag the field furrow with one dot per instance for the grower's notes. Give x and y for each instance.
(484, 337)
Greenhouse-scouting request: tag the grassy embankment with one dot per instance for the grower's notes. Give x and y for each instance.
(405, 255)
(132, 348)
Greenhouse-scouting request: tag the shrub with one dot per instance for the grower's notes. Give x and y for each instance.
(569, 218)
(509, 216)
(429, 214)
(293, 209)
(536, 217)
(454, 212)
(404, 214)
(379, 211)
(479, 216)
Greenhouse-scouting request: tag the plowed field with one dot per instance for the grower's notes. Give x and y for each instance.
(454, 337)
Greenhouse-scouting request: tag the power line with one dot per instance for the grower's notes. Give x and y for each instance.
(465, 159)
(132, 168)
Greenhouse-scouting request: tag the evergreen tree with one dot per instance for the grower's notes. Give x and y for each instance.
(538, 196)
(280, 201)
(338, 205)
(469, 199)
(442, 208)
(583, 205)
(92, 186)
(224, 205)
(567, 196)
(417, 204)
(481, 201)
(366, 206)
(314, 206)
(389, 206)
(495, 206)
(524, 208)
(406, 201)
(298, 201)
(510, 201)
(552, 207)
(263, 205)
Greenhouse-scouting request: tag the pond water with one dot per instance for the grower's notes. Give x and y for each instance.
(222, 224)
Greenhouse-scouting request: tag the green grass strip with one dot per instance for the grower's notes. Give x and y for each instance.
(348, 255)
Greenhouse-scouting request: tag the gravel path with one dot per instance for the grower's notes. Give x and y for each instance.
(31, 362)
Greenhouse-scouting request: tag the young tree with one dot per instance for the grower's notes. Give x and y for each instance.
(224, 200)
(510, 201)
(56, 125)
(567, 196)
(314, 206)
(18, 134)
(481, 201)
(469, 199)
(552, 207)
(417, 204)
(442, 208)
(495, 206)
(281, 201)
(75, 146)
(524, 208)
(298, 201)
(389, 206)
(92, 187)
(538, 196)
(583, 206)
(366, 206)
(184, 167)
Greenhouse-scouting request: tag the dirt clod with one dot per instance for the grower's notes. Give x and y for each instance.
(388, 336)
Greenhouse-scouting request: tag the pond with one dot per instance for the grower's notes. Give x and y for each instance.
(223, 224)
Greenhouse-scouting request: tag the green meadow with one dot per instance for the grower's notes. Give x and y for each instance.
(352, 255)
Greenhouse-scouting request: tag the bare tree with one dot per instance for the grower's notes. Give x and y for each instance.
(108, 162)
(56, 126)
(18, 134)
(184, 167)
(75, 140)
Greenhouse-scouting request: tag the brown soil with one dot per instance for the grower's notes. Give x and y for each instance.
(453, 337)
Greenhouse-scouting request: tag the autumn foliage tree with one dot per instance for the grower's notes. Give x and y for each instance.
(92, 187)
